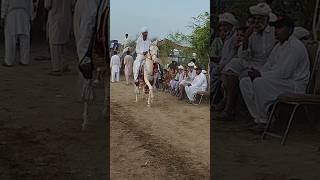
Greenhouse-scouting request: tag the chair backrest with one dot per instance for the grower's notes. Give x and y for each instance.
(314, 82)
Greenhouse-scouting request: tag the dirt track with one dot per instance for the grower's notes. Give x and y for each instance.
(170, 140)
(240, 153)
(40, 125)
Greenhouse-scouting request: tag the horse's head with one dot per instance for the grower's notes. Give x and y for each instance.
(153, 52)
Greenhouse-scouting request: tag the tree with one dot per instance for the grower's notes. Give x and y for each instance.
(199, 39)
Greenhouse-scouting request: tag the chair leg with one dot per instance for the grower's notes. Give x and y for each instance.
(310, 119)
(289, 124)
(267, 128)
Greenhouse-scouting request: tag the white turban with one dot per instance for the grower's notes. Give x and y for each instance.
(229, 18)
(144, 29)
(272, 17)
(191, 64)
(260, 9)
(300, 32)
(194, 55)
(180, 67)
(204, 71)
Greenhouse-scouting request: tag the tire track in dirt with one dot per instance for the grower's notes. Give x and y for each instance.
(165, 161)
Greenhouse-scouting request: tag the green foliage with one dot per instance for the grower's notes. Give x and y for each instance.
(300, 11)
(199, 39)
(132, 44)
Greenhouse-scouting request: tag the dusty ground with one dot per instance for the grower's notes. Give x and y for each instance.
(40, 118)
(170, 140)
(241, 154)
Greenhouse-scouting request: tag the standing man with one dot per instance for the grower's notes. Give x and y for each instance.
(17, 16)
(115, 67)
(142, 48)
(59, 30)
(125, 42)
(128, 61)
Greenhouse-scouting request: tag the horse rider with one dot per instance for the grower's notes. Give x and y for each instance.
(142, 47)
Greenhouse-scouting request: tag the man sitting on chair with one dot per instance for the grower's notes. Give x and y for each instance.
(198, 84)
(286, 71)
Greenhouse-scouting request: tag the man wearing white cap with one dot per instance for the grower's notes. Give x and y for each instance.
(190, 77)
(227, 23)
(254, 50)
(178, 78)
(198, 84)
(142, 47)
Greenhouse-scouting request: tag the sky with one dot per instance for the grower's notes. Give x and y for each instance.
(162, 17)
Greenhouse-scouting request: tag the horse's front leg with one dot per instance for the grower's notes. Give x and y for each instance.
(150, 94)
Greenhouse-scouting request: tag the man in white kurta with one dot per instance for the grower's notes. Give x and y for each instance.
(59, 31)
(84, 21)
(142, 47)
(190, 77)
(287, 71)
(17, 15)
(115, 64)
(254, 51)
(125, 41)
(198, 84)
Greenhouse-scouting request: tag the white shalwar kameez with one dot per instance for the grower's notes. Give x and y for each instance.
(141, 46)
(17, 15)
(259, 48)
(115, 64)
(84, 20)
(287, 71)
(198, 84)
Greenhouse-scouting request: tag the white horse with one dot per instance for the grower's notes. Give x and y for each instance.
(148, 71)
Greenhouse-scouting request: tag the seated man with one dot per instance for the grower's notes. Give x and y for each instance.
(256, 45)
(198, 84)
(178, 78)
(166, 80)
(286, 71)
(222, 55)
(190, 76)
